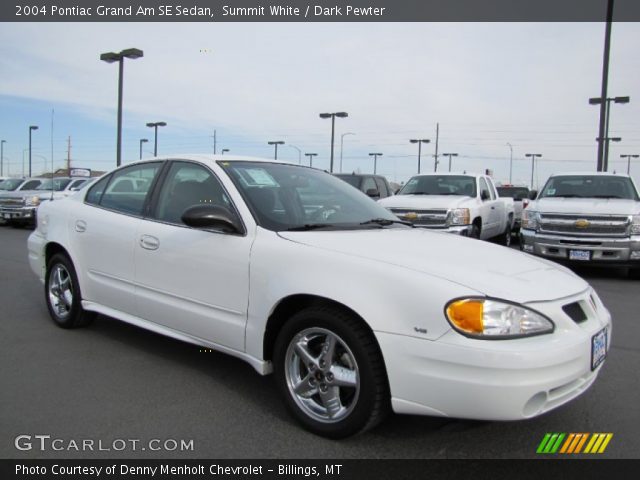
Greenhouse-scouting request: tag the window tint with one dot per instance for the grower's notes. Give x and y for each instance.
(188, 184)
(484, 187)
(368, 184)
(95, 192)
(382, 187)
(31, 185)
(77, 183)
(127, 189)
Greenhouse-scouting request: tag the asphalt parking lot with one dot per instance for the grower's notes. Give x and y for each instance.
(114, 381)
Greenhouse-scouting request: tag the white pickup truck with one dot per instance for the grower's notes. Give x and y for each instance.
(465, 204)
(582, 217)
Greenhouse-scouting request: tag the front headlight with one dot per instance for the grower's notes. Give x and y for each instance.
(494, 319)
(635, 225)
(32, 201)
(460, 216)
(530, 219)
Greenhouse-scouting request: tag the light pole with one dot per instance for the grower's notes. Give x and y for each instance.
(224, 150)
(533, 162)
(628, 157)
(2, 142)
(375, 161)
(111, 57)
(419, 141)
(333, 116)
(275, 143)
(341, 145)
(311, 155)
(604, 165)
(450, 155)
(142, 140)
(299, 154)
(31, 129)
(155, 126)
(510, 164)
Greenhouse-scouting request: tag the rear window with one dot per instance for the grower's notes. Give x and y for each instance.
(517, 193)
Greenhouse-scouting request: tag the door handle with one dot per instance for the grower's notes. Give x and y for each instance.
(80, 226)
(493, 208)
(149, 243)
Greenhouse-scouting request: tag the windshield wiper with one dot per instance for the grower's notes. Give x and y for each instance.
(568, 195)
(385, 222)
(607, 196)
(309, 226)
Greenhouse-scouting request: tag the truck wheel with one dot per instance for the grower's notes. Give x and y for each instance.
(62, 294)
(330, 372)
(505, 238)
(474, 232)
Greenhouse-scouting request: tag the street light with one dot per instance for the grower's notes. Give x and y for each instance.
(2, 142)
(333, 116)
(510, 163)
(533, 161)
(275, 143)
(419, 141)
(341, 145)
(142, 140)
(604, 165)
(375, 161)
(628, 157)
(224, 150)
(155, 126)
(311, 155)
(31, 129)
(450, 155)
(112, 57)
(299, 154)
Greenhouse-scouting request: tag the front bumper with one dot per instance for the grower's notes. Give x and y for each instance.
(603, 250)
(22, 214)
(460, 377)
(456, 230)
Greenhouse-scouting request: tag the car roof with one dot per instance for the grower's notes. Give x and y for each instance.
(445, 174)
(211, 159)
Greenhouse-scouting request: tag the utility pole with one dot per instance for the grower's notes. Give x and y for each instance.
(603, 94)
(435, 165)
(214, 142)
(69, 154)
(533, 164)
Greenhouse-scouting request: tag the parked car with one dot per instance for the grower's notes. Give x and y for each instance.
(591, 218)
(10, 190)
(463, 204)
(375, 186)
(20, 207)
(354, 311)
(520, 197)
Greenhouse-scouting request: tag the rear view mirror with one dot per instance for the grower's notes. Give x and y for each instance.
(533, 194)
(212, 217)
(373, 192)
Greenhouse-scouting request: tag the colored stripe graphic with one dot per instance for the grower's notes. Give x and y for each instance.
(573, 443)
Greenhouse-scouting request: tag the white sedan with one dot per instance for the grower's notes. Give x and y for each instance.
(300, 274)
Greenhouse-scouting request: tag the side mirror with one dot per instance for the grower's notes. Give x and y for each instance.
(533, 194)
(484, 195)
(373, 192)
(212, 216)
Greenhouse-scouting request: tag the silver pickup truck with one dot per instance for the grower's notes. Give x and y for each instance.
(591, 218)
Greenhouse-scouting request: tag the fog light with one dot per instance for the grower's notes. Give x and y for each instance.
(527, 248)
(635, 255)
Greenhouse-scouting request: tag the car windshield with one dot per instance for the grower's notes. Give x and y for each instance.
(590, 186)
(517, 193)
(440, 185)
(290, 197)
(350, 179)
(57, 184)
(10, 184)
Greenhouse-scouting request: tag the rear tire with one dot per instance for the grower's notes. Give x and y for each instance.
(330, 372)
(505, 238)
(62, 294)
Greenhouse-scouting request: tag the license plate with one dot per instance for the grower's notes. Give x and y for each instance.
(598, 348)
(579, 255)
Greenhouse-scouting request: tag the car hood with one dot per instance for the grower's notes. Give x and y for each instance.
(425, 201)
(590, 206)
(487, 268)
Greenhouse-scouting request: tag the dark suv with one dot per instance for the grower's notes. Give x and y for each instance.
(376, 186)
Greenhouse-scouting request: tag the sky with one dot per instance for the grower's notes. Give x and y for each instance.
(485, 84)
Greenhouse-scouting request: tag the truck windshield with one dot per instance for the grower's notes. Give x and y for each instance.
(590, 186)
(440, 185)
(59, 184)
(290, 197)
(10, 184)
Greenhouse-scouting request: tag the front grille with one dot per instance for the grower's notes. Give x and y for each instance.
(11, 202)
(584, 226)
(422, 218)
(575, 312)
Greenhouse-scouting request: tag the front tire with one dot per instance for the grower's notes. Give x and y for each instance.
(330, 372)
(505, 238)
(62, 294)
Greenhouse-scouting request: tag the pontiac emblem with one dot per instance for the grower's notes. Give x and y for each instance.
(582, 223)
